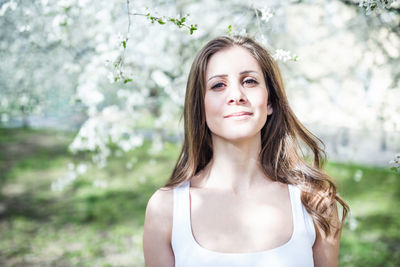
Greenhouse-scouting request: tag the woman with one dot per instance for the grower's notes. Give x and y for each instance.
(240, 194)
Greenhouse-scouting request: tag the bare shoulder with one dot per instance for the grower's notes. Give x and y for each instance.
(160, 206)
(158, 229)
(161, 196)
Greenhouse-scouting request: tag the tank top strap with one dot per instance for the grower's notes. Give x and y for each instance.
(304, 221)
(180, 237)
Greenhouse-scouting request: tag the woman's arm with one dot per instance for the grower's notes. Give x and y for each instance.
(157, 230)
(326, 249)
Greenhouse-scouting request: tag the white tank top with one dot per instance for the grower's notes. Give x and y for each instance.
(297, 252)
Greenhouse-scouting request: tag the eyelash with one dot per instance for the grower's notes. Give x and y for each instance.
(248, 81)
(252, 81)
(217, 85)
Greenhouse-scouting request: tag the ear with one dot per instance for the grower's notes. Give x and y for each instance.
(269, 109)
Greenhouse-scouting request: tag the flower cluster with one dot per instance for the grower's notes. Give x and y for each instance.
(284, 55)
(69, 177)
(371, 5)
(396, 163)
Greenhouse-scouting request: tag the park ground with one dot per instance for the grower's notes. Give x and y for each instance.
(85, 225)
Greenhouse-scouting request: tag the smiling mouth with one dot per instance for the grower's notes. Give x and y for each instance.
(238, 114)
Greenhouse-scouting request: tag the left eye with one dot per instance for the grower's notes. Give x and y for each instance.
(250, 81)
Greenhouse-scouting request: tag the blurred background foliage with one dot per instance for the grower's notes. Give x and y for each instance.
(91, 95)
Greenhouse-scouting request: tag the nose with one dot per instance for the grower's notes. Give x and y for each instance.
(236, 94)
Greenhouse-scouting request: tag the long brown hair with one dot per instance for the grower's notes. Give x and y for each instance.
(280, 138)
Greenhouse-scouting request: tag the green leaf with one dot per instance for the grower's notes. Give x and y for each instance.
(160, 21)
(192, 28)
(229, 29)
(183, 20)
(127, 80)
(124, 44)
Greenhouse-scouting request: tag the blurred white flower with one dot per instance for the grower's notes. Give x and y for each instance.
(24, 28)
(112, 123)
(129, 165)
(44, 2)
(4, 102)
(12, 5)
(61, 183)
(358, 175)
(122, 93)
(283, 55)
(110, 77)
(82, 168)
(92, 111)
(4, 117)
(239, 32)
(266, 13)
(88, 93)
(142, 179)
(23, 100)
(120, 37)
(160, 78)
(157, 144)
(262, 39)
(371, 5)
(353, 223)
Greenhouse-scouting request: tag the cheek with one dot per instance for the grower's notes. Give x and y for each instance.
(260, 100)
(211, 105)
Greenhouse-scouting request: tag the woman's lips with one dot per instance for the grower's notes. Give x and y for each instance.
(238, 114)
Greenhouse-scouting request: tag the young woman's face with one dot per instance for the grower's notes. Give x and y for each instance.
(236, 96)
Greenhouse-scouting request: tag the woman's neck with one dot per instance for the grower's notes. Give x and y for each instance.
(235, 166)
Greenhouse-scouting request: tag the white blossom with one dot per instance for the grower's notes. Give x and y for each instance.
(283, 55)
(358, 175)
(266, 13)
(371, 5)
(157, 144)
(353, 223)
(142, 179)
(129, 165)
(4, 102)
(241, 31)
(61, 183)
(81, 168)
(89, 95)
(4, 117)
(12, 5)
(23, 100)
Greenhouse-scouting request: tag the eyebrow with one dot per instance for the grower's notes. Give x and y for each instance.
(224, 75)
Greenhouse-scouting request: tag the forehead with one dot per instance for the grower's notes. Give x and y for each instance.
(231, 60)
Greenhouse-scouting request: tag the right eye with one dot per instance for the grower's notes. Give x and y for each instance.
(217, 85)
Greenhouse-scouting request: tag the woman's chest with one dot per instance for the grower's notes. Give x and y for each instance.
(240, 225)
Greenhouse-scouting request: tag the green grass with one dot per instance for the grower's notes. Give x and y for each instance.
(372, 234)
(88, 226)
